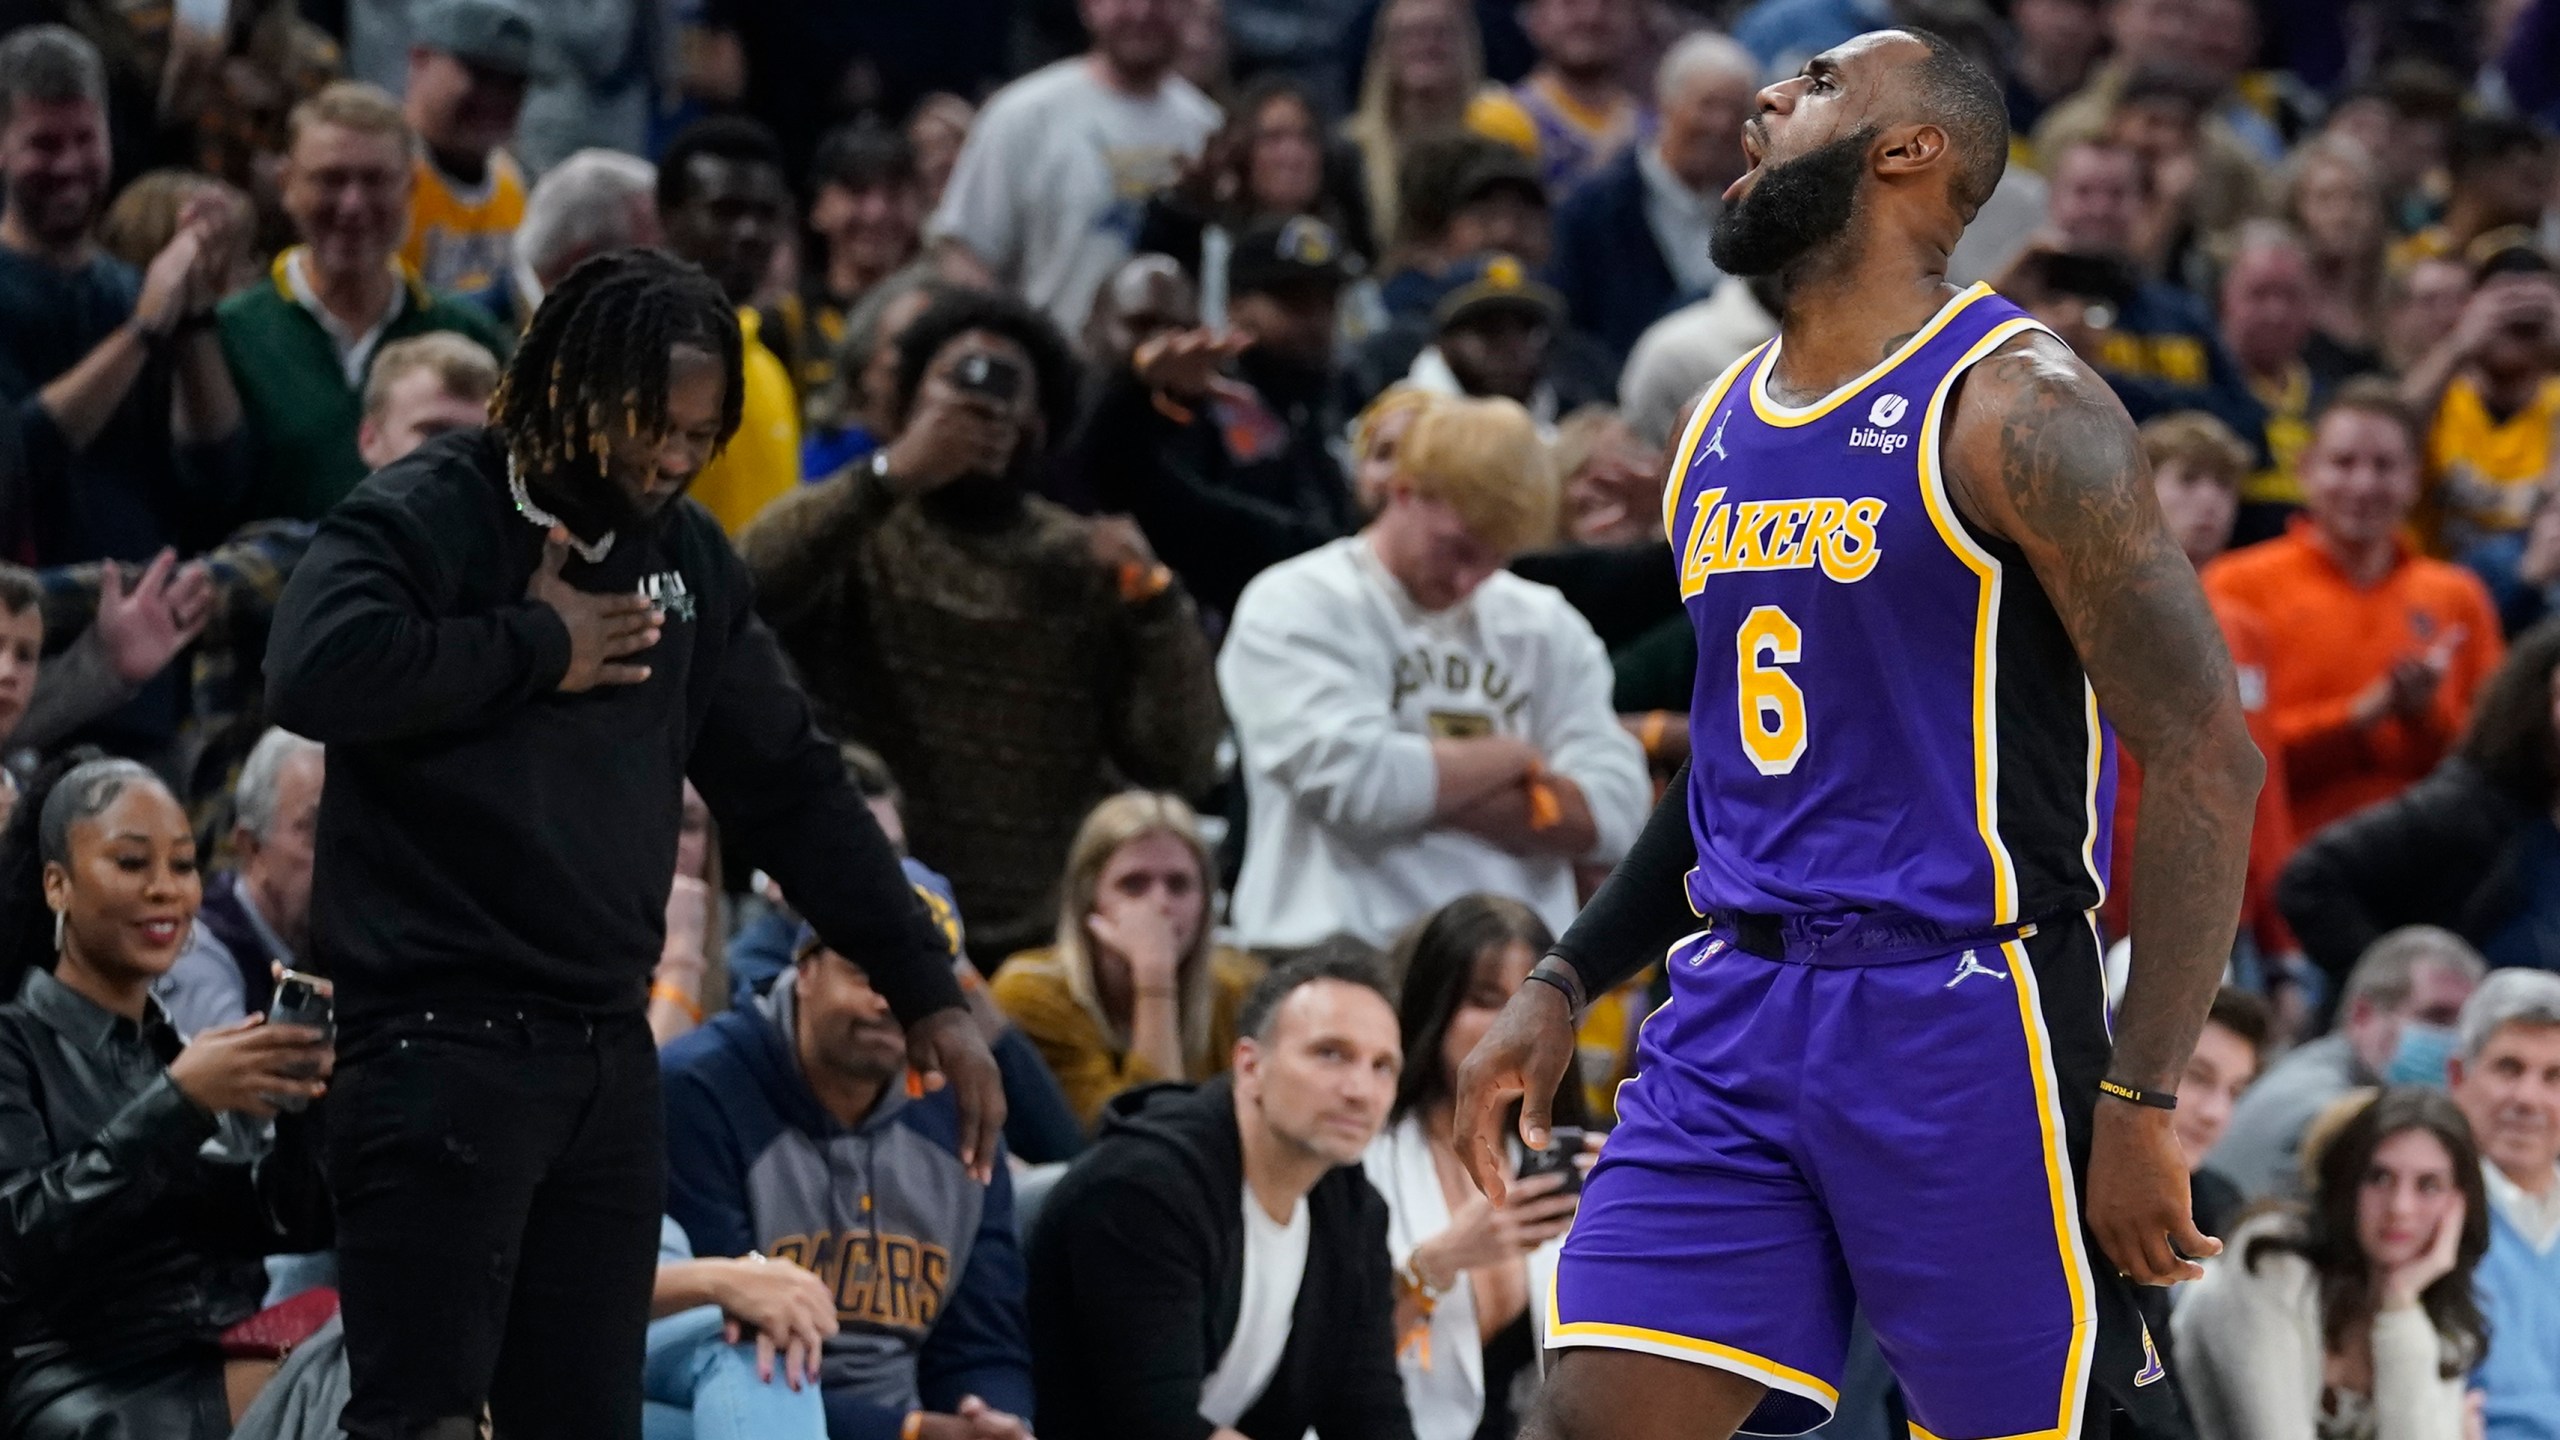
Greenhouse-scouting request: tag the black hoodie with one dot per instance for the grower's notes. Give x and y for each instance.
(488, 840)
(1137, 1275)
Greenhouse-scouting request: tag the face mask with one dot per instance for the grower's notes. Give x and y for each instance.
(2423, 1051)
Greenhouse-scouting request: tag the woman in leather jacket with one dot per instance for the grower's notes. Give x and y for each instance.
(2474, 847)
(140, 1181)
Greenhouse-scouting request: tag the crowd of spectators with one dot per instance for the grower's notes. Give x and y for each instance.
(1202, 460)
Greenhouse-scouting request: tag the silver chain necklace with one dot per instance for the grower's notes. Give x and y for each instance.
(545, 520)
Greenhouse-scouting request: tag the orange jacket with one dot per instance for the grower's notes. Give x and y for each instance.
(2271, 831)
(2330, 639)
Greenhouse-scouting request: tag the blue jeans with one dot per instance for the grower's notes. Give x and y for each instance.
(699, 1387)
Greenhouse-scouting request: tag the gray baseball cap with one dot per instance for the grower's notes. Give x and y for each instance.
(492, 34)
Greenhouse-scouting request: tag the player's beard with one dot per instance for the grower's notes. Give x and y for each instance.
(1792, 209)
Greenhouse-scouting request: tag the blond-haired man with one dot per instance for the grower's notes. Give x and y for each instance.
(1417, 723)
(300, 346)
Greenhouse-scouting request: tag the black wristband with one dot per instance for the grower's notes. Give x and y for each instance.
(1547, 971)
(2136, 1095)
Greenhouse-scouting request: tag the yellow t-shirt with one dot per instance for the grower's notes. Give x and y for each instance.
(2288, 435)
(762, 463)
(2482, 474)
(1031, 990)
(461, 238)
(1493, 114)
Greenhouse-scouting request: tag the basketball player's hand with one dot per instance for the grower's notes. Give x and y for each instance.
(2139, 1206)
(602, 628)
(238, 1067)
(790, 1311)
(947, 1048)
(1523, 1057)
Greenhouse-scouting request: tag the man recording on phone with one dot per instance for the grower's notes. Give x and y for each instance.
(518, 644)
(2155, 344)
(1087, 670)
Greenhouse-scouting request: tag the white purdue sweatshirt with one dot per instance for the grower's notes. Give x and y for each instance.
(1337, 683)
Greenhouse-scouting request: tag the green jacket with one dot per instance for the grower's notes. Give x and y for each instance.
(295, 394)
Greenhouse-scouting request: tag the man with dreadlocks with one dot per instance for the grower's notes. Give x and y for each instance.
(517, 644)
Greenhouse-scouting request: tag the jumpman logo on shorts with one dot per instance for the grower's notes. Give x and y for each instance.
(1715, 442)
(1968, 967)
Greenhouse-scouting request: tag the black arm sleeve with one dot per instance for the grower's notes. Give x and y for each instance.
(1644, 905)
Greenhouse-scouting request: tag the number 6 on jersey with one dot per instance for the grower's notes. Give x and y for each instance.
(1772, 708)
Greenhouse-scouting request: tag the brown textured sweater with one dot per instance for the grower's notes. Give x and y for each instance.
(993, 664)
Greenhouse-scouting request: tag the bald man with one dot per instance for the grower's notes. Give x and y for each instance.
(1922, 557)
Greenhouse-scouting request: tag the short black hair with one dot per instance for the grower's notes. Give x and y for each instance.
(595, 357)
(1327, 961)
(863, 156)
(2481, 141)
(2245, 1015)
(1961, 98)
(1056, 378)
(49, 64)
(725, 137)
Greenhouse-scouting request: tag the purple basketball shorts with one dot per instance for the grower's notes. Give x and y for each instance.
(1893, 1126)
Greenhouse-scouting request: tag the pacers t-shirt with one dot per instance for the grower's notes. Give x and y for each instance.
(461, 236)
(2483, 473)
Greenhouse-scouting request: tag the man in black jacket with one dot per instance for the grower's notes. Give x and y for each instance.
(517, 645)
(1231, 473)
(1215, 1267)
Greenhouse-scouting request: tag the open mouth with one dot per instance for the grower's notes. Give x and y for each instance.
(161, 933)
(1754, 150)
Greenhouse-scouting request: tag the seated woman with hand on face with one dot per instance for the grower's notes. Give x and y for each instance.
(140, 1185)
(1136, 990)
(2355, 1319)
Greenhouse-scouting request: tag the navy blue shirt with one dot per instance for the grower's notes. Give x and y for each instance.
(128, 493)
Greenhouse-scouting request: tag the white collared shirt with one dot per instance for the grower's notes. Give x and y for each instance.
(1682, 221)
(355, 349)
(2537, 1219)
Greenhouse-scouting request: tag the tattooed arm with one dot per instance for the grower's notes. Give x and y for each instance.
(2041, 453)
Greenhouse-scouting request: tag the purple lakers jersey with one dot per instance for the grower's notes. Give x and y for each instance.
(1889, 715)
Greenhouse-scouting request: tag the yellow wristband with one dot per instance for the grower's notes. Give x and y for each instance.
(673, 996)
(913, 1427)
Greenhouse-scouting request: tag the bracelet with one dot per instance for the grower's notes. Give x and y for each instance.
(1424, 1293)
(1140, 583)
(2135, 1095)
(1655, 723)
(1558, 973)
(673, 996)
(912, 1427)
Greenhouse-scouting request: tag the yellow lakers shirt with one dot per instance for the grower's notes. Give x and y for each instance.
(2483, 473)
(460, 235)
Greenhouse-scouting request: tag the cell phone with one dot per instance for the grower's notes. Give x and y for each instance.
(306, 1000)
(1565, 1145)
(993, 376)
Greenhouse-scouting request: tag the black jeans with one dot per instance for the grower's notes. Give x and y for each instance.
(499, 1179)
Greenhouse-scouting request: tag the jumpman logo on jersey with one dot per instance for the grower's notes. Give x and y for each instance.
(1715, 442)
(1969, 967)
